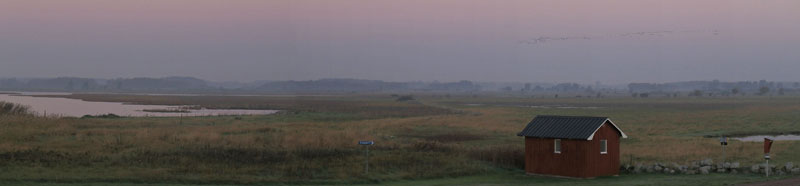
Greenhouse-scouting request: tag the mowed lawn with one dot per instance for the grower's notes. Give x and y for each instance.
(432, 141)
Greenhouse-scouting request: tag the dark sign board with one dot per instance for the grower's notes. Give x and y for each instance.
(366, 142)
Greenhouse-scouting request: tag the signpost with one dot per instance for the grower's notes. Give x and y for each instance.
(723, 141)
(767, 146)
(366, 144)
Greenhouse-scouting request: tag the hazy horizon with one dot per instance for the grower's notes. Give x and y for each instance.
(613, 42)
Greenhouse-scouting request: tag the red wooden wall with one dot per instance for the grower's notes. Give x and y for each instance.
(578, 158)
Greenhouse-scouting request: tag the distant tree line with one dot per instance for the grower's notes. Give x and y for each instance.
(715, 88)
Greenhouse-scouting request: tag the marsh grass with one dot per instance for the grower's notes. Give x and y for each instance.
(314, 140)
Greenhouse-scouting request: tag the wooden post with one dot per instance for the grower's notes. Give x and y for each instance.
(366, 166)
(723, 154)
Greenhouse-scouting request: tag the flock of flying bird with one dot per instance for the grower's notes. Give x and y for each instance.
(545, 39)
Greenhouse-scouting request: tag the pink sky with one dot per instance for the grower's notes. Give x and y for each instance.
(397, 40)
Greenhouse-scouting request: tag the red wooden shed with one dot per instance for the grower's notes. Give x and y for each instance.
(572, 146)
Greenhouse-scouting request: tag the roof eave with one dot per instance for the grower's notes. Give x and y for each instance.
(612, 124)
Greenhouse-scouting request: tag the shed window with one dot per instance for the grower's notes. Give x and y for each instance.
(558, 146)
(603, 146)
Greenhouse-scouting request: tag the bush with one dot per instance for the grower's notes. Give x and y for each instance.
(405, 98)
(107, 116)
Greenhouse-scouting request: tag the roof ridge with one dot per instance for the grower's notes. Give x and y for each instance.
(562, 116)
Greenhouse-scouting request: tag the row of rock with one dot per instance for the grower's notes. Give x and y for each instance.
(707, 166)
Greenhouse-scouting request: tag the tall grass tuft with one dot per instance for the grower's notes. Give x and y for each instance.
(508, 156)
(7, 108)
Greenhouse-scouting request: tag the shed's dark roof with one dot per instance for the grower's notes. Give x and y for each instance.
(565, 127)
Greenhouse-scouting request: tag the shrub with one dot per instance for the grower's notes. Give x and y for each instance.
(405, 98)
(108, 116)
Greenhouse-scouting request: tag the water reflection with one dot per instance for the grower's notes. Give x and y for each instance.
(776, 138)
(64, 107)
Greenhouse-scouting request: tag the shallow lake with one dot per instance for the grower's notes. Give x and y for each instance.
(776, 138)
(63, 107)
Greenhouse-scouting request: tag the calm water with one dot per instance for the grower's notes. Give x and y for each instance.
(62, 107)
(776, 138)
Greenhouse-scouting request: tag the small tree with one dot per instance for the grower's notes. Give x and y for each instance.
(70, 85)
(763, 90)
(697, 93)
(405, 98)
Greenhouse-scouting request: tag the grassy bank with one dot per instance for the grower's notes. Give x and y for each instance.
(313, 140)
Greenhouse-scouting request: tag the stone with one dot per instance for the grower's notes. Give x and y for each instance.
(675, 166)
(705, 169)
(796, 170)
(788, 166)
(721, 170)
(726, 165)
(781, 173)
(734, 171)
(657, 168)
(755, 168)
(735, 165)
(639, 168)
(650, 169)
(707, 162)
(672, 171)
(667, 170)
(626, 168)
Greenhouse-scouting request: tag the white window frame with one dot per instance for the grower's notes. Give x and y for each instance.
(557, 146)
(603, 146)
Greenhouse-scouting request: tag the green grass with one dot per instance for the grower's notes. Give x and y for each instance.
(519, 178)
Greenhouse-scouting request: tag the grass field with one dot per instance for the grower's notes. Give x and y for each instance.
(431, 141)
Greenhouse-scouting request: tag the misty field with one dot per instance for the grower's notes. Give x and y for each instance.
(430, 140)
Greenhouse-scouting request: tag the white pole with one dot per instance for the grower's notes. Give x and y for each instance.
(768, 168)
